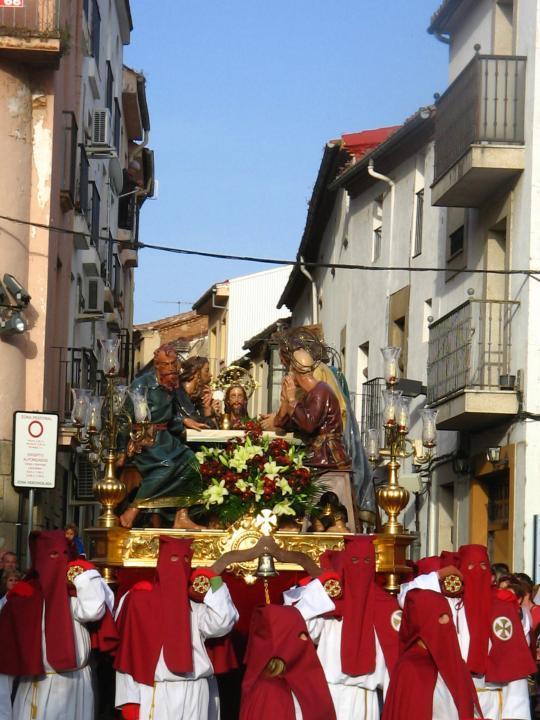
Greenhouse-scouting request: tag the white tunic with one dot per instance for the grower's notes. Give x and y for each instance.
(191, 695)
(67, 695)
(498, 701)
(353, 696)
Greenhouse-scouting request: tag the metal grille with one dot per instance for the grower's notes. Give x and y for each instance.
(470, 347)
(372, 405)
(485, 104)
(84, 479)
(499, 500)
(37, 18)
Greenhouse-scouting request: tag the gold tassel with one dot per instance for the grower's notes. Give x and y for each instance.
(34, 707)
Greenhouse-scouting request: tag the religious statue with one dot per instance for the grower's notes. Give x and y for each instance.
(235, 385)
(168, 467)
(316, 416)
(194, 393)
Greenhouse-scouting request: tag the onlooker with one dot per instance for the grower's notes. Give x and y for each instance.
(8, 562)
(497, 571)
(9, 578)
(71, 531)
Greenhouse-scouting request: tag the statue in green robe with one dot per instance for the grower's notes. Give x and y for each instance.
(168, 467)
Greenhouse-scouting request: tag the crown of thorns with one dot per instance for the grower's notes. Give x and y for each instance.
(290, 341)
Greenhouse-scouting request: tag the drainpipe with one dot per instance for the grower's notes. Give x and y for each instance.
(392, 185)
(314, 303)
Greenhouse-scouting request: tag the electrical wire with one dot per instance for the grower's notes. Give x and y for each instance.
(268, 261)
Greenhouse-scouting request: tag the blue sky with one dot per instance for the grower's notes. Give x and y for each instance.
(243, 95)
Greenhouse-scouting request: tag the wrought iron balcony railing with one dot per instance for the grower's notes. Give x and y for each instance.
(470, 347)
(32, 18)
(484, 104)
(79, 368)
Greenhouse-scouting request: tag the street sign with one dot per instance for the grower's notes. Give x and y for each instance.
(35, 441)
(12, 3)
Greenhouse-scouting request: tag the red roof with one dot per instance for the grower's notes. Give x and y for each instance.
(359, 144)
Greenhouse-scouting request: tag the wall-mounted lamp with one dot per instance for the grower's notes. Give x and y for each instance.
(493, 456)
(12, 325)
(461, 464)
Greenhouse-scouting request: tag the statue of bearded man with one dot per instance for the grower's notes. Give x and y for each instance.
(167, 466)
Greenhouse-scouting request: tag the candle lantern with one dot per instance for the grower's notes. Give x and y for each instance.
(391, 367)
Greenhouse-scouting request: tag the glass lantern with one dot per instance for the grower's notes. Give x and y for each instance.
(429, 427)
(403, 414)
(110, 362)
(141, 411)
(81, 398)
(93, 416)
(119, 397)
(391, 368)
(373, 444)
(391, 404)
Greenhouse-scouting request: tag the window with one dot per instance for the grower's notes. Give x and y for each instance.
(398, 324)
(69, 170)
(417, 247)
(117, 125)
(96, 31)
(456, 242)
(94, 219)
(377, 228)
(110, 87)
(83, 182)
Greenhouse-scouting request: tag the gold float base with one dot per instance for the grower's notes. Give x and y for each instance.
(113, 548)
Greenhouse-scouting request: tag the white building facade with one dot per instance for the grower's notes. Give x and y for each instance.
(459, 198)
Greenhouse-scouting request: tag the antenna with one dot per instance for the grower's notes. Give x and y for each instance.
(174, 302)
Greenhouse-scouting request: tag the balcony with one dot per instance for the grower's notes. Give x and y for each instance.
(31, 33)
(479, 132)
(468, 359)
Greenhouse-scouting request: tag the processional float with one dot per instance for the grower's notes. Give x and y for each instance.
(253, 545)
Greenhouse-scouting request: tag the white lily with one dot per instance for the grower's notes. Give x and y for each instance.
(272, 469)
(284, 486)
(283, 508)
(215, 493)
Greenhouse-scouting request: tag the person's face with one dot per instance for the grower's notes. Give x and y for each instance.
(70, 534)
(237, 398)
(11, 581)
(10, 562)
(205, 374)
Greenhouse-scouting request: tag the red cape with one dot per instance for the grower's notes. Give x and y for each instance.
(280, 632)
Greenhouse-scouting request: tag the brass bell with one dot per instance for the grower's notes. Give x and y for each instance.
(266, 567)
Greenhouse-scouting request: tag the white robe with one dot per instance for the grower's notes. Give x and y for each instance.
(353, 697)
(67, 695)
(498, 701)
(192, 695)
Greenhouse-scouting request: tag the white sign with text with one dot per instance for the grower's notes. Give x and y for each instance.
(34, 453)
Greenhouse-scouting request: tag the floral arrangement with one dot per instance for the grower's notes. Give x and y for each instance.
(256, 473)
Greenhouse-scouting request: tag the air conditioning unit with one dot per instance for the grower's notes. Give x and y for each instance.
(93, 295)
(102, 128)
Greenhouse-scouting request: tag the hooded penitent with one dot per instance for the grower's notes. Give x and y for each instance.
(428, 647)
(21, 618)
(159, 618)
(365, 608)
(477, 596)
(280, 632)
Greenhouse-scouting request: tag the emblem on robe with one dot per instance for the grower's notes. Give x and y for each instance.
(502, 628)
(395, 619)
